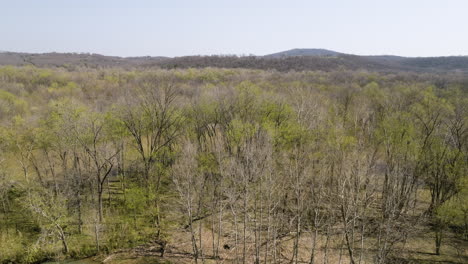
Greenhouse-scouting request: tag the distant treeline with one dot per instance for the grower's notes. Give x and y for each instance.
(74, 61)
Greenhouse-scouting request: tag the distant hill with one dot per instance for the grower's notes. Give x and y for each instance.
(73, 59)
(323, 63)
(295, 59)
(303, 52)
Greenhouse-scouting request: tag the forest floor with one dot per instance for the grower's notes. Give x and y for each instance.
(417, 251)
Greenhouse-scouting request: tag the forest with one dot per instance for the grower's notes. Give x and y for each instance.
(217, 165)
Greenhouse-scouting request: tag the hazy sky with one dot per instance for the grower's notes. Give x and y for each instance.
(178, 27)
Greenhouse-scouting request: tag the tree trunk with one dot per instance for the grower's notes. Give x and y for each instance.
(244, 223)
(100, 203)
(62, 238)
(236, 236)
(96, 236)
(314, 245)
(325, 250)
(361, 253)
(438, 240)
(80, 217)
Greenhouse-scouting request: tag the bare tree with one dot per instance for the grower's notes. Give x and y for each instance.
(91, 135)
(152, 121)
(189, 182)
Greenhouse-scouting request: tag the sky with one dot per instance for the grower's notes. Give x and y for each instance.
(242, 27)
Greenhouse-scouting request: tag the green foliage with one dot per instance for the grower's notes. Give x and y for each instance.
(281, 142)
(11, 105)
(397, 132)
(238, 131)
(135, 199)
(207, 162)
(288, 134)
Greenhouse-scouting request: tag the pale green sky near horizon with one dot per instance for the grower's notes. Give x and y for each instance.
(178, 27)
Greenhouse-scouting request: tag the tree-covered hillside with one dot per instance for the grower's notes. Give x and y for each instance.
(233, 166)
(291, 60)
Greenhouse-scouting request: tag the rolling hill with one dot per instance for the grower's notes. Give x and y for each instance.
(304, 52)
(295, 59)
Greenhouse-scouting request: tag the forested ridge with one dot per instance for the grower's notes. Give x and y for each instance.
(291, 60)
(233, 166)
